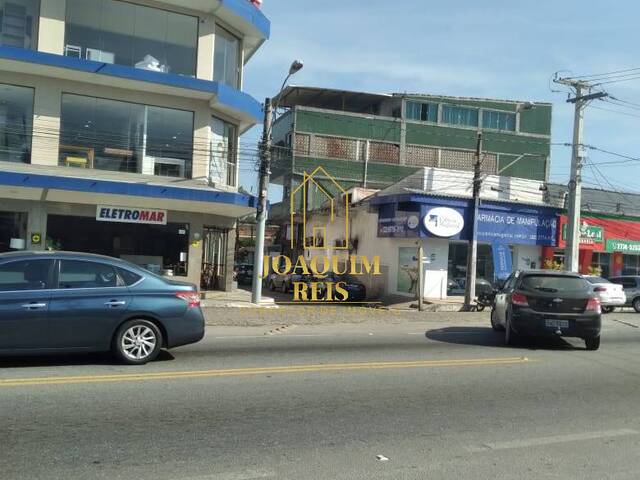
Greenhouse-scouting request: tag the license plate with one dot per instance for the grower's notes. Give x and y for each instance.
(556, 323)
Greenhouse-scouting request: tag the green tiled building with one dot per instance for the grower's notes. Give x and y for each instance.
(374, 140)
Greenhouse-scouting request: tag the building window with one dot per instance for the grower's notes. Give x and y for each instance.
(112, 31)
(19, 23)
(499, 120)
(154, 247)
(13, 225)
(16, 123)
(631, 265)
(455, 115)
(602, 261)
(426, 112)
(224, 152)
(226, 61)
(125, 137)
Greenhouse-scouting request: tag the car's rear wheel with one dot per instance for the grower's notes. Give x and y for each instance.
(592, 343)
(494, 321)
(636, 304)
(510, 337)
(137, 342)
(608, 309)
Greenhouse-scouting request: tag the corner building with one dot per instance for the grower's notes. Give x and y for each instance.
(119, 127)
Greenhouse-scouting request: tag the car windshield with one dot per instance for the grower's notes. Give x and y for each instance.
(597, 280)
(553, 283)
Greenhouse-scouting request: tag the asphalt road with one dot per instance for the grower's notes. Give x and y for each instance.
(321, 402)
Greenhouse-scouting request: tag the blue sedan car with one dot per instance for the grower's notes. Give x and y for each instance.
(75, 302)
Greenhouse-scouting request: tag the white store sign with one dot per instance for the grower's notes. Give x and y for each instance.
(147, 216)
(443, 222)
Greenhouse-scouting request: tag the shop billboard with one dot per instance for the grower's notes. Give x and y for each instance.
(508, 223)
(148, 216)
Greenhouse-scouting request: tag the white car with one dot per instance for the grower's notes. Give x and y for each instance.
(611, 294)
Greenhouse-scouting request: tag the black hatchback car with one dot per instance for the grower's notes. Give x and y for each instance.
(545, 302)
(75, 302)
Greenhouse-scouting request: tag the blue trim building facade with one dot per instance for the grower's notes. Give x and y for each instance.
(510, 235)
(99, 110)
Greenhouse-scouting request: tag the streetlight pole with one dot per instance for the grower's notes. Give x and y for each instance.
(263, 190)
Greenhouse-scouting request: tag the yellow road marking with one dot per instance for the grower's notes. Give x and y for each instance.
(124, 377)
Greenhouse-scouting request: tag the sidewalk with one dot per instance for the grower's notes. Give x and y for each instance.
(330, 315)
(238, 298)
(241, 298)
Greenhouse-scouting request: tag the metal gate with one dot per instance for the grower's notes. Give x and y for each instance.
(215, 243)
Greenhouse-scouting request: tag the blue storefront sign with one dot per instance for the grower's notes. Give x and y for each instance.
(502, 261)
(500, 223)
(401, 225)
(530, 226)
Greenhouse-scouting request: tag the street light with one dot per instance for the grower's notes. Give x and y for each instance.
(265, 171)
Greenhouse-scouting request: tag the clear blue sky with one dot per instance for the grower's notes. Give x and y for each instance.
(492, 48)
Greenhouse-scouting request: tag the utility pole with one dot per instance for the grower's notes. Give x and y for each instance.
(420, 277)
(572, 249)
(472, 256)
(261, 217)
(263, 189)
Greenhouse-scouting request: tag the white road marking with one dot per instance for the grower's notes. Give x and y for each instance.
(246, 475)
(282, 335)
(540, 441)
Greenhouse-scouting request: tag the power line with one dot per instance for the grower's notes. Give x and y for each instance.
(606, 74)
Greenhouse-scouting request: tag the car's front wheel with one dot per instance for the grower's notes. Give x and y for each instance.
(137, 342)
(592, 343)
(636, 304)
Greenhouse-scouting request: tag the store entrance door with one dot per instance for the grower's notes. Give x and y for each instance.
(214, 243)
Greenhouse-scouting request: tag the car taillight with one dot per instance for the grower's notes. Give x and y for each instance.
(519, 300)
(600, 289)
(593, 305)
(192, 298)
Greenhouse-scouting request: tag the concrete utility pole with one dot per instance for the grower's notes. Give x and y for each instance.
(263, 191)
(261, 217)
(572, 250)
(472, 254)
(420, 278)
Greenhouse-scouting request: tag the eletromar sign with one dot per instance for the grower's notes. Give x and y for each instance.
(147, 216)
(443, 222)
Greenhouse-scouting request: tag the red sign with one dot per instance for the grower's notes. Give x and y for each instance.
(613, 230)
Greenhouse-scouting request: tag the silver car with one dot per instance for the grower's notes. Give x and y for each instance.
(611, 295)
(631, 286)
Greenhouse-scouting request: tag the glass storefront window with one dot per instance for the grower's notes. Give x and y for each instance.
(631, 264)
(224, 153)
(16, 123)
(19, 23)
(226, 61)
(457, 272)
(603, 261)
(112, 31)
(154, 247)
(126, 137)
(12, 226)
